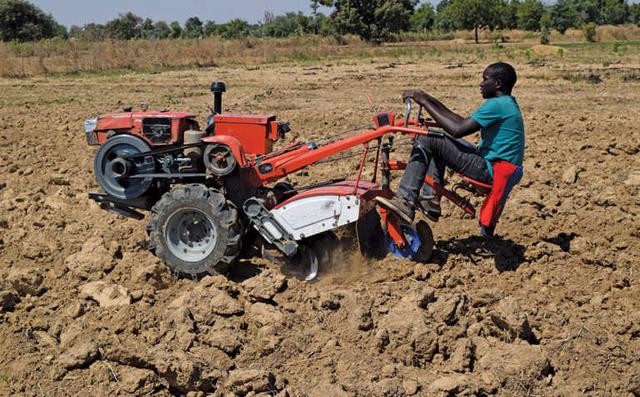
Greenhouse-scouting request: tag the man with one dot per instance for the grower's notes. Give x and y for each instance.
(501, 147)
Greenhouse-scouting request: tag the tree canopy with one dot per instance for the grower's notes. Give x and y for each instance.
(22, 21)
(476, 14)
(423, 19)
(373, 20)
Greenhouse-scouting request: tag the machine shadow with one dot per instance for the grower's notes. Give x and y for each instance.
(507, 254)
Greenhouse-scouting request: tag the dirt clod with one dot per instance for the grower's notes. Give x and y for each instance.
(107, 295)
(265, 286)
(79, 355)
(94, 259)
(26, 281)
(243, 381)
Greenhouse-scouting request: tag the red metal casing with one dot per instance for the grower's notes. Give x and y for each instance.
(256, 133)
(131, 123)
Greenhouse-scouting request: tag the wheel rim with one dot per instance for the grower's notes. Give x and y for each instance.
(112, 152)
(413, 240)
(190, 235)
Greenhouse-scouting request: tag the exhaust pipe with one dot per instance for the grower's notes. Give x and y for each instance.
(217, 88)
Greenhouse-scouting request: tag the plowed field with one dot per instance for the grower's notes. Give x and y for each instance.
(551, 307)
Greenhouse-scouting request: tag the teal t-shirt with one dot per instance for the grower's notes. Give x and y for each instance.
(502, 132)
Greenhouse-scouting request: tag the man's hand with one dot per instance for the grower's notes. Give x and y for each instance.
(451, 122)
(417, 95)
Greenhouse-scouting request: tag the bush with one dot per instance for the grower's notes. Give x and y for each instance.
(545, 23)
(589, 31)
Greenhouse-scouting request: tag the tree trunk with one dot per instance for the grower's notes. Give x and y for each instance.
(476, 35)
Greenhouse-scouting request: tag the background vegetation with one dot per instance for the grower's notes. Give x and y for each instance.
(371, 20)
(35, 44)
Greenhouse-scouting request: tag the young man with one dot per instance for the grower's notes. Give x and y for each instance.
(501, 147)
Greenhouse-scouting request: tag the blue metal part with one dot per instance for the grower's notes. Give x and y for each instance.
(412, 237)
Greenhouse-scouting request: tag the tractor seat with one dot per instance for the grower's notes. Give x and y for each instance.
(482, 188)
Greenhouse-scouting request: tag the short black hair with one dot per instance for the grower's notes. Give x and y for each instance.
(505, 73)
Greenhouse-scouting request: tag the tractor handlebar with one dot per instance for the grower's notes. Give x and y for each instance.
(407, 112)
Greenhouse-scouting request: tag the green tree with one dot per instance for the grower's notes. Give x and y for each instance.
(634, 13)
(476, 14)
(315, 4)
(564, 16)
(61, 31)
(192, 28)
(508, 17)
(528, 14)
(22, 21)
(209, 28)
(444, 21)
(93, 32)
(373, 20)
(235, 29)
(75, 31)
(161, 30)
(589, 11)
(125, 27)
(147, 30)
(281, 26)
(176, 30)
(615, 12)
(423, 19)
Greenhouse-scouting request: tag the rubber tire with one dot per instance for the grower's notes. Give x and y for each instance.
(426, 242)
(223, 216)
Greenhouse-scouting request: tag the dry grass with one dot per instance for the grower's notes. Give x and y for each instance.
(52, 57)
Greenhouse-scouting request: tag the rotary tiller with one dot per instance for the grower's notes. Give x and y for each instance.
(210, 190)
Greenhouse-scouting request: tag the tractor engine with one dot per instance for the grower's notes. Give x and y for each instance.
(142, 153)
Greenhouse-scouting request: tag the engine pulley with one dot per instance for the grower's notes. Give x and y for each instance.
(219, 159)
(113, 169)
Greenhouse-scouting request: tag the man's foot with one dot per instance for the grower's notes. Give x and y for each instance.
(400, 206)
(431, 207)
(487, 231)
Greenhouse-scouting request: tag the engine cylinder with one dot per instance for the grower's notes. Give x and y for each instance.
(193, 136)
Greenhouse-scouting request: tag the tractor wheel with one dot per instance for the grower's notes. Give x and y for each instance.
(195, 230)
(426, 242)
(420, 239)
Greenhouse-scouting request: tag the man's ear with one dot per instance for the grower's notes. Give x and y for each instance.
(499, 85)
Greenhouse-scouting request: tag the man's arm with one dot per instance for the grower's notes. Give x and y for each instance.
(451, 122)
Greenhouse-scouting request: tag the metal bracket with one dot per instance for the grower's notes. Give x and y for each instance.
(120, 207)
(268, 226)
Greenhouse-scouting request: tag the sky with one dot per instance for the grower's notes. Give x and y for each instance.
(80, 12)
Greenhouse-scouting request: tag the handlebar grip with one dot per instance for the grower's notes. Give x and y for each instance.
(407, 112)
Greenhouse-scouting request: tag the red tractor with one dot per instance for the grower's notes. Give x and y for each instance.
(209, 189)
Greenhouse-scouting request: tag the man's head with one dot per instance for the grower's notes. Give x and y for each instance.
(498, 79)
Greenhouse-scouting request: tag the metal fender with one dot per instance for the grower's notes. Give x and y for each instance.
(312, 215)
(233, 143)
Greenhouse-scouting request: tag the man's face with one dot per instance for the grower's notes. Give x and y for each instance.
(489, 85)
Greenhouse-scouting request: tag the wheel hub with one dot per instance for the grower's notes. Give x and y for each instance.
(190, 235)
